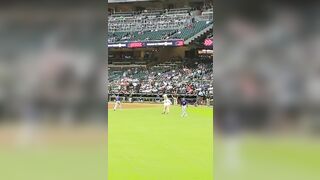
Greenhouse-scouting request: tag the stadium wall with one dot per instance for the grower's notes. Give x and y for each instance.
(162, 54)
(154, 98)
(166, 53)
(152, 4)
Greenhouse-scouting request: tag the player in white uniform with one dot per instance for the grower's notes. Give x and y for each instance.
(166, 104)
(118, 103)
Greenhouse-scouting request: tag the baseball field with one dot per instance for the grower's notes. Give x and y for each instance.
(144, 144)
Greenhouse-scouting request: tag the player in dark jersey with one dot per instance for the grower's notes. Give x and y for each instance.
(184, 105)
(118, 103)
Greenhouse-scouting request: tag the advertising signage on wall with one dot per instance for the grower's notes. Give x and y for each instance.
(117, 45)
(139, 44)
(135, 45)
(208, 42)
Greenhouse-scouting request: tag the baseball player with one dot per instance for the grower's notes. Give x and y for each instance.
(118, 103)
(184, 105)
(166, 104)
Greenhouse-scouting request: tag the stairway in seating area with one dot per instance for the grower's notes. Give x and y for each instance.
(199, 34)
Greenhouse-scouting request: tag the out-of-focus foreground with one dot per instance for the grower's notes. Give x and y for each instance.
(266, 71)
(52, 92)
(53, 122)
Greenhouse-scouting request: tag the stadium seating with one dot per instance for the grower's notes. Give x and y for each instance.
(187, 32)
(156, 25)
(166, 77)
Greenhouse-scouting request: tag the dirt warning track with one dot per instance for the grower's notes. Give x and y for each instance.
(134, 105)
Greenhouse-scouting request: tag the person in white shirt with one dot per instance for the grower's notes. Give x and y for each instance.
(166, 104)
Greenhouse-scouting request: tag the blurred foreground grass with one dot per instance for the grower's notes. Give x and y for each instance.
(53, 153)
(264, 158)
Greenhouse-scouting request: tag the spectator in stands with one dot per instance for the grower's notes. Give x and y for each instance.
(186, 80)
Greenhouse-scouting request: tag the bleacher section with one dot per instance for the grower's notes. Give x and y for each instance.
(188, 32)
(168, 77)
(156, 25)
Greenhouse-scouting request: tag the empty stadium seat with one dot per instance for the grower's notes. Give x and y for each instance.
(169, 24)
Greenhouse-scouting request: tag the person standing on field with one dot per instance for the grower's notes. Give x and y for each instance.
(118, 103)
(166, 104)
(184, 105)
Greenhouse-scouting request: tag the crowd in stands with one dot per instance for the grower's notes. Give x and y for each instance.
(192, 78)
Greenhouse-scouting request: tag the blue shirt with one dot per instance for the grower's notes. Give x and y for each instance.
(118, 98)
(184, 102)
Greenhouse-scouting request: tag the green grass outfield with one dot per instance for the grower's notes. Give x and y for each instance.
(144, 144)
(137, 151)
